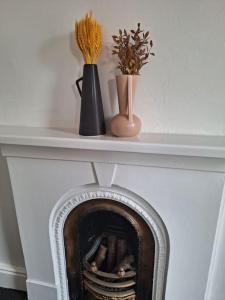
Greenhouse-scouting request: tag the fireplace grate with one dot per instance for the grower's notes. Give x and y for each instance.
(109, 271)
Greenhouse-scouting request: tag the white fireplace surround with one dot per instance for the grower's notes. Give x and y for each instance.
(175, 182)
(72, 199)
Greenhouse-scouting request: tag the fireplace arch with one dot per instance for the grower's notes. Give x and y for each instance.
(77, 197)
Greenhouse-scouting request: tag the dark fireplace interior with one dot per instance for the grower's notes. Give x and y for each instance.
(109, 252)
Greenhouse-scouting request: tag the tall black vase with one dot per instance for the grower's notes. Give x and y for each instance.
(92, 120)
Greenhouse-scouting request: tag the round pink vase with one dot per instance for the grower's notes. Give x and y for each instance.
(126, 124)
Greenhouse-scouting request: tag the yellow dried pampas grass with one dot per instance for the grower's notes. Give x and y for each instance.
(88, 33)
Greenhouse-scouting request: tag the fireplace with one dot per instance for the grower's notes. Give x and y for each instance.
(174, 184)
(108, 245)
(109, 252)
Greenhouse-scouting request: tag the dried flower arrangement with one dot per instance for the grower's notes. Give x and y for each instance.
(133, 50)
(88, 33)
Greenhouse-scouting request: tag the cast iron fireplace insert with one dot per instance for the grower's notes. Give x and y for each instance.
(109, 252)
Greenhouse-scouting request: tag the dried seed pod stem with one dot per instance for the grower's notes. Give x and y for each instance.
(133, 49)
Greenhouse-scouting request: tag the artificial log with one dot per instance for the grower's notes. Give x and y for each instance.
(101, 256)
(111, 256)
(121, 250)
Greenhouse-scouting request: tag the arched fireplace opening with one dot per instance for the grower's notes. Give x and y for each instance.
(110, 252)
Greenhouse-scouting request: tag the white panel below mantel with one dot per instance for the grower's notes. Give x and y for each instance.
(37, 186)
(188, 203)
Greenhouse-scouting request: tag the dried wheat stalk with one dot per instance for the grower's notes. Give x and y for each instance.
(88, 33)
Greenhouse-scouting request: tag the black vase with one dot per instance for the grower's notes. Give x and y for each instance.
(92, 120)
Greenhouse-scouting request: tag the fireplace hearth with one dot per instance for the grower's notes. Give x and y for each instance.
(109, 252)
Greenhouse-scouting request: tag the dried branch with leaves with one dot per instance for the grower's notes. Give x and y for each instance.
(133, 50)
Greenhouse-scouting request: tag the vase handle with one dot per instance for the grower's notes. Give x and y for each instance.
(78, 85)
(130, 99)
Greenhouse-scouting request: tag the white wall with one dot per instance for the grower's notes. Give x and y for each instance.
(181, 91)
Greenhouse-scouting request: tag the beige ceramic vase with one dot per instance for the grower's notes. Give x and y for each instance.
(126, 124)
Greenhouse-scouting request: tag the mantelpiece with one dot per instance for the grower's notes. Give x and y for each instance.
(178, 177)
(146, 143)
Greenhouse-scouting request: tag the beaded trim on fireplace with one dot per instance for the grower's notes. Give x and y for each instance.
(75, 197)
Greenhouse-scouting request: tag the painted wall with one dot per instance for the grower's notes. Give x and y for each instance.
(181, 91)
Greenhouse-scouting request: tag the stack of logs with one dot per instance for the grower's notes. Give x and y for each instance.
(110, 274)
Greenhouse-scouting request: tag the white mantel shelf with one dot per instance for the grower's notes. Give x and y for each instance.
(168, 144)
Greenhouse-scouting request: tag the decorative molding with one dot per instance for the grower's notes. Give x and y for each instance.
(72, 199)
(12, 277)
(105, 173)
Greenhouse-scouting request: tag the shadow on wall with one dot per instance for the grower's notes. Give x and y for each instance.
(107, 66)
(64, 59)
(10, 245)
